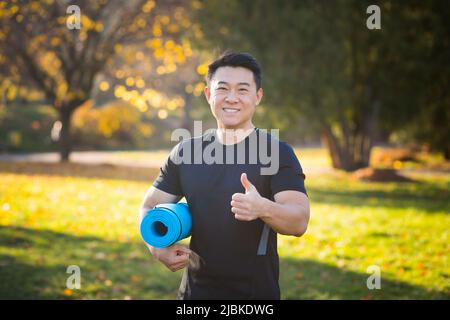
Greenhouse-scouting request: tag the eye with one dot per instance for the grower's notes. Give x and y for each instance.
(243, 90)
(221, 88)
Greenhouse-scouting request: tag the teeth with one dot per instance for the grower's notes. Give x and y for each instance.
(230, 110)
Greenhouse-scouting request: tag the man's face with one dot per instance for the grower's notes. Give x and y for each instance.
(233, 97)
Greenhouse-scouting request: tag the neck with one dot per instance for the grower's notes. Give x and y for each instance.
(227, 135)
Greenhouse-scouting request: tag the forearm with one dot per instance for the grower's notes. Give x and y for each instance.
(285, 218)
(142, 212)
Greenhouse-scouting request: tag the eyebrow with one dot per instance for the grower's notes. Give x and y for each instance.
(239, 84)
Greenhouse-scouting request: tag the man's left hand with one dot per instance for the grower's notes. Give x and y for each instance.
(247, 206)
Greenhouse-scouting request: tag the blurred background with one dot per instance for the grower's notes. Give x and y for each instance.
(90, 92)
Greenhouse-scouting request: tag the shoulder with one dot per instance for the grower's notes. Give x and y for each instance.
(283, 147)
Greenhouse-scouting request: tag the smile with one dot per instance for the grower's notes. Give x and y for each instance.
(230, 110)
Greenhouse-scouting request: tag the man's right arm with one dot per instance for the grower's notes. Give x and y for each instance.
(174, 257)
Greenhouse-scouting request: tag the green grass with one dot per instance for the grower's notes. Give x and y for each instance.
(74, 215)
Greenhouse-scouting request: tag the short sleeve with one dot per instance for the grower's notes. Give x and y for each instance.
(168, 179)
(290, 174)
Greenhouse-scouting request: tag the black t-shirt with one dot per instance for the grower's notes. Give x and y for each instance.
(237, 259)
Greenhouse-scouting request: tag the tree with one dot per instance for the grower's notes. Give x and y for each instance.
(322, 63)
(39, 48)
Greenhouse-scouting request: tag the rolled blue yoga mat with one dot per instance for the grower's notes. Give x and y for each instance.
(166, 224)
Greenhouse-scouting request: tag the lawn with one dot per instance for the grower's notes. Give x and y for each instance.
(53, 216)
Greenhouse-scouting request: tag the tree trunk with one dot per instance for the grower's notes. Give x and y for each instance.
(65, 139)
(353, 152)
(340, 156)
(447, 153)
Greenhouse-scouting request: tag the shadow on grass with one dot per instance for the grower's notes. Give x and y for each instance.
(33, 265)
(309, 279)
(100, 171)
(428, 197)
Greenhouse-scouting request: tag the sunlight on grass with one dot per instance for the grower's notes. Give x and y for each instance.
(48, 222)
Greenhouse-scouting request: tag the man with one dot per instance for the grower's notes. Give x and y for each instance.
(236, 210)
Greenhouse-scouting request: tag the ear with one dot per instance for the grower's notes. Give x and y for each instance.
(259, 95)
(207, 93)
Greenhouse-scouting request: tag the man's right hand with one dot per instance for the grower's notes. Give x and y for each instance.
(175, 257)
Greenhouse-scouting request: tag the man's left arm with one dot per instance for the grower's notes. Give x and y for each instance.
(288, 214)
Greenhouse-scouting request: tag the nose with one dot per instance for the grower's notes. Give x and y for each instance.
(231, 97)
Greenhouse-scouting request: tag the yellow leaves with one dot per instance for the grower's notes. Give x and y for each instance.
(140, 83)
(86, 22)
(148, 6)
(146, 130)
(129, 81)
(158, 53)
(397, 164)
(171, 68)
(189, 88)
(119, 91)
(164, 20)
(55, 41)
(140, 23)
(135, 278)
(120, 74)
(99, 27)
(198, 89)
(156, 30)
(160, 70)
(13, 10)
(169, 45)
(141, 104)
(11, 94)
(196, 4)
(71, 20)
(202, 69)
(117, 48)
(106, 126)
(179, 101)
(139, 55)
(162, 114)
(67, 292)
(185, 23)
(179, 13)
(197, 31)
(153, 43)
(173, 28)
(104, 86)
(114, 117)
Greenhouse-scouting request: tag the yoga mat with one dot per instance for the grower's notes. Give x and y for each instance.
(166, 224)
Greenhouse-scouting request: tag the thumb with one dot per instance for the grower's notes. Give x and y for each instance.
(246, 183)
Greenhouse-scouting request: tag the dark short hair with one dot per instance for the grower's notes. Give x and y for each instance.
(236, 59)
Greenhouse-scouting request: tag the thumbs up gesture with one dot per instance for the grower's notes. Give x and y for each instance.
(247, 206)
